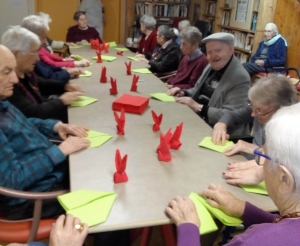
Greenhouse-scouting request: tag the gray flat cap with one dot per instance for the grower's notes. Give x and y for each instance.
(225, 37)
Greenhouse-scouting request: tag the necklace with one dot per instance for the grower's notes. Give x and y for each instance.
(290, 215)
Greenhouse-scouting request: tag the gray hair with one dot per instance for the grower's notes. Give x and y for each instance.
(166, 31)
(273, 27)
(183, 24)
(35, 24)
(274, 91)
(19, 39)
(191, 35)
(45, 17)
(282, 139)
(77, 15)
(148, 21)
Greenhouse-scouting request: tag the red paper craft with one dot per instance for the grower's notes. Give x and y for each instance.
(113, 90)
(99, 59)
(120, 175)
(120, 122)
(131, 104)
(120, 53)
(106, 47)
(167, 137)
(128, 67)
(95, 44)
(157, 121)
(134, 82)
(103, 78)
(164, 151)
(175, 140)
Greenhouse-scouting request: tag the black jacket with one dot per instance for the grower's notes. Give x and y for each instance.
(49, 72)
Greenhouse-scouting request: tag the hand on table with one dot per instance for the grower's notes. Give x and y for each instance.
(175, 91)
(69, 97)
(139, 56)
(220, 198)
(73, 87)
(144, 60)
(240, 146)
(219, 133)
(82, 63)
(73, 144)
(260, 62)
(182, 210)
(67, 129)
(74, 72)
(189, 102)
(169, 86)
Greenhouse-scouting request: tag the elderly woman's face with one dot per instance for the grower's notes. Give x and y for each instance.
(268, 33)
(143, 28)
(26, 62)
(82, 21)
(160, 39)
(262, 113)
(187, 48)
(43, 36)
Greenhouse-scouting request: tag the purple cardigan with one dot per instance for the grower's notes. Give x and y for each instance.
(261, 230)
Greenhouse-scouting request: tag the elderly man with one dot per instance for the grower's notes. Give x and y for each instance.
(223, 85)
(29, 161)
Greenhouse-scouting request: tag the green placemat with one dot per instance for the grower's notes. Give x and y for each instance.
(86, 73)
(257, 189)
(97, 138)
(106, 58)
(208, 143)
(163, 97)
(121, 49)
(141, 70)
(84, 101)
(112, 44)
(132, 58)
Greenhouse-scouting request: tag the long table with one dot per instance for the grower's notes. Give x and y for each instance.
(152, 184)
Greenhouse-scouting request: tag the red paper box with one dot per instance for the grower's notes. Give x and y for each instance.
(131, 104)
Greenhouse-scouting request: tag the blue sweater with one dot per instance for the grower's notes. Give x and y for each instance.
(48, 72)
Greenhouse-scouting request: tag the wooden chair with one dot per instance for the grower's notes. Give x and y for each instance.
(28, 230)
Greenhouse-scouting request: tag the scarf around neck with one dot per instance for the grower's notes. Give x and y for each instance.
(274, 39)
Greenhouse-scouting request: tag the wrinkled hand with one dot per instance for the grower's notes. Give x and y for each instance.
(73, 144)
(63, 232)
(219, 133)
(67, 129)
(74, 72)
(220, 198)
(189, 102)
(240, 146)
(139, 56)
(169, 86)
(260, 62)
(182, 210)
(244, 173)
(69, 97)
(82, 63)
(175, 91)
(73, 87)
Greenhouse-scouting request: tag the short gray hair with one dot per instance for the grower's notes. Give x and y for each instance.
(191, 35)
(166, 31)
(183, 24)
(35, 24)
(148, 21)
(282, 139)
(276, 91)
(273, 27)
(19, 39)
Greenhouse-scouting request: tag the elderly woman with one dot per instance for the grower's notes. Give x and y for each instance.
(167, 55)
(39, 26)
(81, 32)
(282, 179)
(193, 62)
(29, 92)
(181, 25)
(270, 53)
(148, 40)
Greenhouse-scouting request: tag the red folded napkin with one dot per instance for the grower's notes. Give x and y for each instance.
(120, 53)
(120, 175)
(167, 137)
(175, 140)
(164, 151)
(106, 47)
(120, 122)
(95, 44)
(103, 78)
(157, 121)
(99, 59)
(113, 90)
(131, 103)
(135, 80)
(128, 67)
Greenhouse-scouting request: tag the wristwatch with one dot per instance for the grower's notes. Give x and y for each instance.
(200, 108)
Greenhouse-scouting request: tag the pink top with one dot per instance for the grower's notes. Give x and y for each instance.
(54, 60)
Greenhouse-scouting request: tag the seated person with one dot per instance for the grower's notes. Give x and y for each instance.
(193, 62)
(282, 179)
(270, 53)
(29, 161)
(167, 55)
(148, 40)
(181, 25)
(223, 85)
(27, 96)
(81, 32)
(40, 27)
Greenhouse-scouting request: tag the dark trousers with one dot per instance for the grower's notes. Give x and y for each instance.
(253, 68)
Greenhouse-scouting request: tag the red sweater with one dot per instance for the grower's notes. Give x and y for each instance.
(188, 72)
(54, 60)
(147, 45)
(77, 35)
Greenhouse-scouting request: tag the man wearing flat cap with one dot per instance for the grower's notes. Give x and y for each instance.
(223, 85)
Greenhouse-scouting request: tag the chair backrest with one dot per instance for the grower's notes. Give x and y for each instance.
(203, 27)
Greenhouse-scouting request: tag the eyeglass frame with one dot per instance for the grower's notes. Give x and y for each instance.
(249, 103)
(259, 154)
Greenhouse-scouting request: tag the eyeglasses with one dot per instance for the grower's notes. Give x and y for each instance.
(249, 103)
(258, 154)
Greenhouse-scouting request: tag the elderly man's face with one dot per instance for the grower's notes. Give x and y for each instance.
(218, 54)
(26, 62)
(8, 76)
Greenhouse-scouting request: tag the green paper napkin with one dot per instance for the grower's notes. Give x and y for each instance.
(83, 101)
(97, 138)
(220, 215)
(207, 143)
(141, 70)
(106, 58)
(121, 49)
(86, 44)
(78, 58)
(132, 58)
(86, 74)
(207, 223)
(75, 47)
(258, 189)
(91, 207)
(112, 44)
(163, 97)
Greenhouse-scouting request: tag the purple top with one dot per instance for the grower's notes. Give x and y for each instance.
(77, 35)
(261, 230)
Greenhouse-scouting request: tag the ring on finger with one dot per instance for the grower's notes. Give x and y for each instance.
(79, 227)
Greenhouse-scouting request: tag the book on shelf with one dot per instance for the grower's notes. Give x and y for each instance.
(254, 20)
(242, 57)
(210, 7)
(256, 5)
(161, 10)
(170, 1)
(241, 39)
(226, 18)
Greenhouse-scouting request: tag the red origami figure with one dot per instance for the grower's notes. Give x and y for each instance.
(164, 151)
(103, 78)
(157, 121)
(113, 90)
(120, 175)
(120, 122)
(128, 67)
(175, 140)
(95, 44)
(106, 47)
(120, 53)
(99, 59)
(134, 82)
(167, 137)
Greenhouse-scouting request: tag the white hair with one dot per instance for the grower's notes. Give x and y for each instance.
(183, 24)
(35, 24)
(148, 21)
(19, 39)
(282, 139)
(273, 27)
(45, 17)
